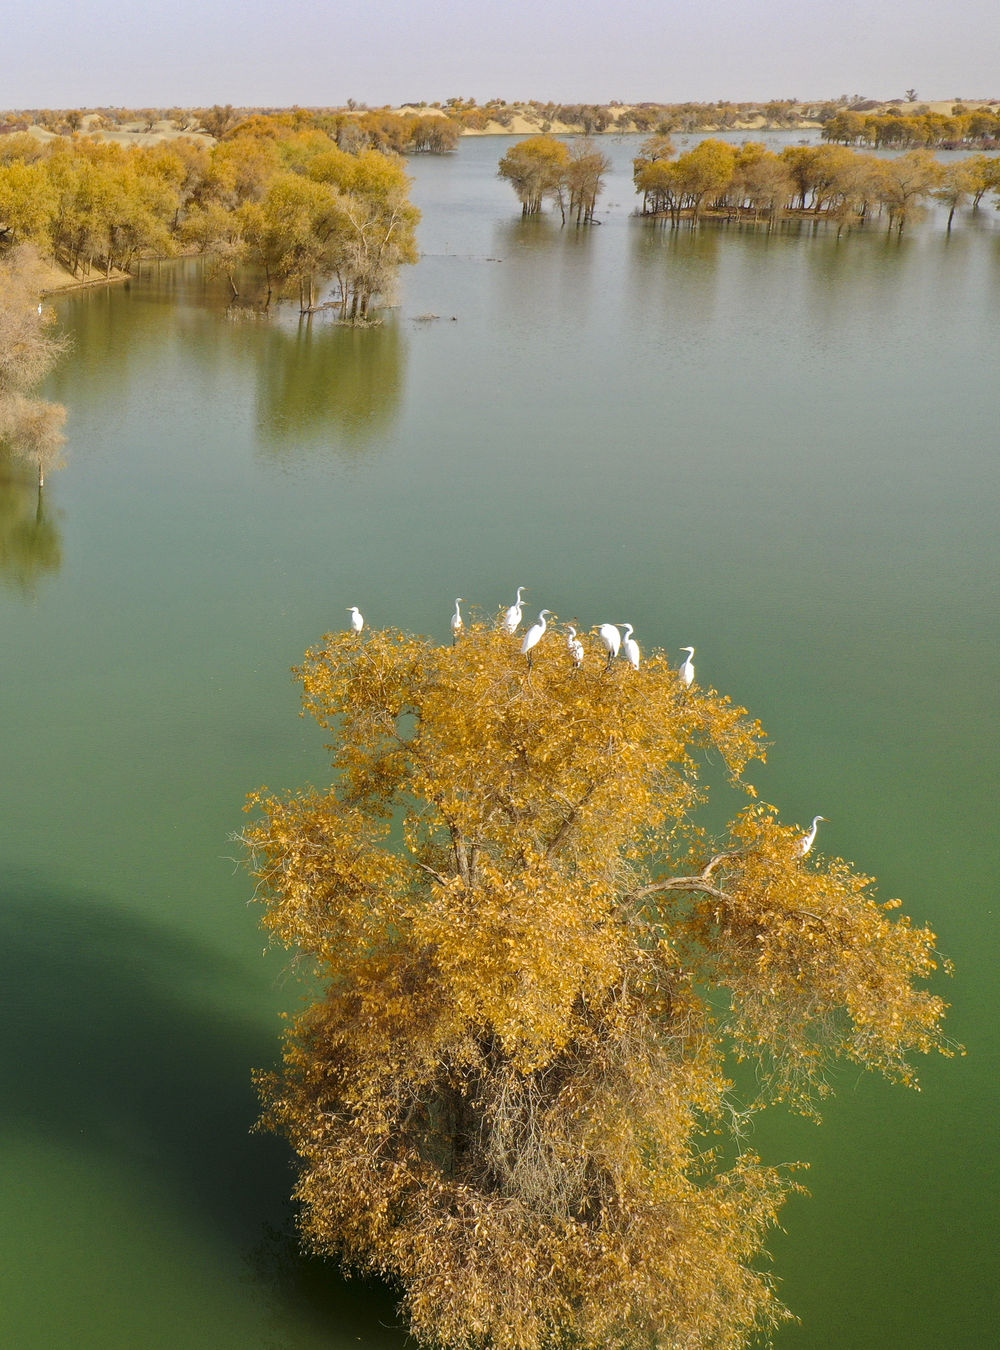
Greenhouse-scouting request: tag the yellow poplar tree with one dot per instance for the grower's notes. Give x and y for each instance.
(533, 966)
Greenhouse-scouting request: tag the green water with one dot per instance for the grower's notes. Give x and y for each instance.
(779, 448)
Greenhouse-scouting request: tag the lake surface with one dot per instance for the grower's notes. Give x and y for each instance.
(780, 448)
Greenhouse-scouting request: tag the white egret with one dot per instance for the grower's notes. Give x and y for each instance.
(534, 635)
(806, 841)
(575, 646)
(512, 616)
(686, 671)
(612, 640)
(456, 621)
(630, 648)
(357, 618)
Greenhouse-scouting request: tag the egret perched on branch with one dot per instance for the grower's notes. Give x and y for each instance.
(630, 648)
(456, 622)
(612, 640)
(575, 646)
(534, 635)
(806, 841)
(512, 616)
(686, 671)
(357, 618)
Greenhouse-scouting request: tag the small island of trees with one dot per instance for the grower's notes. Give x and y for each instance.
(571, 176)
(823, 182)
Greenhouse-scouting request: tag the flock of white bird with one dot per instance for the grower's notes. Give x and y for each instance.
(614, 643)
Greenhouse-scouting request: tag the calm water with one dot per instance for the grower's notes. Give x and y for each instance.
(781, 449)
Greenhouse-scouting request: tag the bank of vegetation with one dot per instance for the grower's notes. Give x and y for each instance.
(962, 128)
(828, 182)
(275, 194)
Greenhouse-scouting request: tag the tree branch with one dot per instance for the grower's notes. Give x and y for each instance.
(438, 876)
(702, 882)
(570, 820)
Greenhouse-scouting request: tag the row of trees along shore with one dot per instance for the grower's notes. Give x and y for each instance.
(972, 127)
(827, 181)
(277, 193)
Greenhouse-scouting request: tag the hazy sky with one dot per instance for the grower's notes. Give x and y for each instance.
(64, 53)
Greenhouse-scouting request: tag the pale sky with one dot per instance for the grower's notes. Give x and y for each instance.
(64, 53)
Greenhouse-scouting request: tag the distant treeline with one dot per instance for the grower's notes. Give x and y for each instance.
(977, 128)
(435, 127)
(827, 181)
(276, 193)
(352, 129)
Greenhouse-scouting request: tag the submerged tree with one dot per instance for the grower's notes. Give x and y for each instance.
(536, 169)
(534, 964)
(30, 428)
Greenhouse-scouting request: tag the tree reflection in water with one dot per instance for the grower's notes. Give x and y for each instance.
(321, 383)
(29, 538)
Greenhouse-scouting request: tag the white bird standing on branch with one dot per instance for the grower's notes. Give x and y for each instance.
(612, 640)
(357, 618)
(456, 622)
(630, 648)
(575, 646)
(807, 840)
(686, 671)
(512, 616)
(534, 635)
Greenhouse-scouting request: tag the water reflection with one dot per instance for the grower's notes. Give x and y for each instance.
(295, 1288)
(674, 270)
(30, 545)
(126, 1042)
(318, 382)
(549, 271)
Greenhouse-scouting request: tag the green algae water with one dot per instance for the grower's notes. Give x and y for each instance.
(781, 448)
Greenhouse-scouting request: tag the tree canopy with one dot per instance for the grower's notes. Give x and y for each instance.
(543, 167)
(277, 193)
(533, 964)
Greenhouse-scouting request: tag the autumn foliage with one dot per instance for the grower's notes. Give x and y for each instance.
(534, 965)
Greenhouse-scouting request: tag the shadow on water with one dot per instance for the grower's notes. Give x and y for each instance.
(320, 381)
(30, 544)
(121, 1040)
